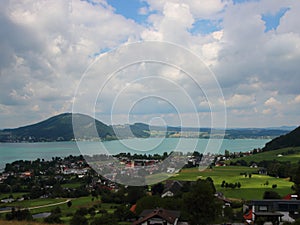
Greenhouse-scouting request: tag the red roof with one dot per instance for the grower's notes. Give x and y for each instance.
(169, 215)
(133, 208)
(248, 215)
(288, 197)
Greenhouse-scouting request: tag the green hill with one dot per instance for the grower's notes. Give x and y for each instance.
(58, 128)
(291, 139)
(289, 154)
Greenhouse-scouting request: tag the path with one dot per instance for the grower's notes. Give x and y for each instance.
(40, 206)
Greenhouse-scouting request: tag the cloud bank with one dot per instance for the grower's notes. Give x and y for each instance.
(252, 47)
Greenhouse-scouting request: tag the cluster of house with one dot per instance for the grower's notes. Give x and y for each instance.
(4, 176)
(116, 169)
(275, 211)
(23, 175)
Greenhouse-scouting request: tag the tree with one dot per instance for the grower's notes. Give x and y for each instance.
(78, 219)
(123, 213)
(227, 153)
(157, 189)
(19, 214)
(210, 180)
(271, 195)
(69, 204)
(201, 204)
(105, 220)
(228, 213)
(223, 183)
(54, 217)
(296, 180)
(135, 193)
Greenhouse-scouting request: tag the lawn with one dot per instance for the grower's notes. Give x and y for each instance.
(251, 188)
(273, 155)
(77, 203)
(36, 202)
(5, 222)
(72, 185)
(15, 195)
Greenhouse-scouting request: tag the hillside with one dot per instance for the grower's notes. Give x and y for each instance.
(60, 128)
(291, 139)
(139, 130)
(57, 128)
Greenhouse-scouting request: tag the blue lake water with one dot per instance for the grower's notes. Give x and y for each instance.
(10, 152)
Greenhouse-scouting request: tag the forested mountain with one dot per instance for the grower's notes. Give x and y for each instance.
(291, 139)
(58, 128)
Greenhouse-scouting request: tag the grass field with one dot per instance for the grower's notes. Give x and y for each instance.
(35, 202)
(251, 188)
(5, 222)
(72, 185)
(15, 195)
(273, 155)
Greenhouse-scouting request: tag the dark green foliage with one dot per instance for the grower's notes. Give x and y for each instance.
(78, 219)
(19, 214)
(82, 211)
(57, 128)
(201, 204)
(157, 189)
(123, 213)
(271, 195)
(135, 193)
(228, 214)
(106, 219)
(152, 202)
(69, 204)
(296, 180)
(288, 140)
(54, 217)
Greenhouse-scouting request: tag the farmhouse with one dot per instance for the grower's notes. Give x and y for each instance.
(158, 217)
(272, 210)
(171, 188)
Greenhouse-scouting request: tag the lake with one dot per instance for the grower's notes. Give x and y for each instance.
(10, 152)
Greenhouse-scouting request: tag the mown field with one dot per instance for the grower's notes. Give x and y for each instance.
(67, 212)
(273, 155)
(5, 222)
(251, 188)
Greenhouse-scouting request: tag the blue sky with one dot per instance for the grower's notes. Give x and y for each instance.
(131, 9)
(272, 20)
(251, 47)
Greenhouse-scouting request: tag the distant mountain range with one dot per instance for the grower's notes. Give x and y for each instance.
(57, 128)
(60, 128)
(291, 139)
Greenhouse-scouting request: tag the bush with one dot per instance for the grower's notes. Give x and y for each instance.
(78, 219)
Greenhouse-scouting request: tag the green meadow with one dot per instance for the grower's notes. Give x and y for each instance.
(251, 188)
(67, 212)
(280, 155)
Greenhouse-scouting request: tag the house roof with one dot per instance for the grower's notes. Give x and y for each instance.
(248, 216)
(172, 186)
(168, 215)
(133, 208)
(268, 214)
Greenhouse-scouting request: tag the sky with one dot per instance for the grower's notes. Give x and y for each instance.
(232, 63)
